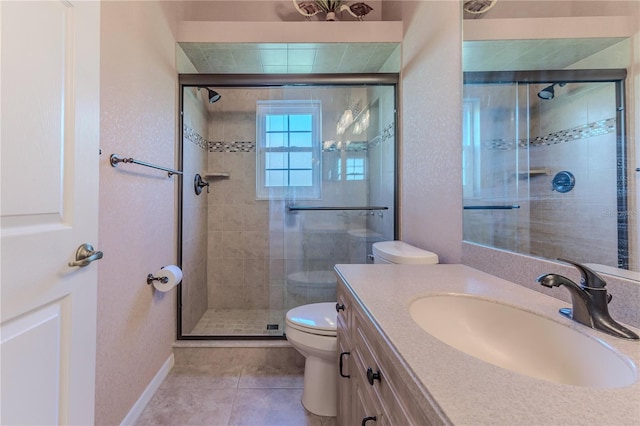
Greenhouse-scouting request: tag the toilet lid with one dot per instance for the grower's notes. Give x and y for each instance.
(400, 252)
(314, 317)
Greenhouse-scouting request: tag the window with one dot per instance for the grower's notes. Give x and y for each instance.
(354, 168)
(470, 147)
(288, 149)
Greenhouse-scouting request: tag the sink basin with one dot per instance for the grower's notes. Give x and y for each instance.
(522, 341)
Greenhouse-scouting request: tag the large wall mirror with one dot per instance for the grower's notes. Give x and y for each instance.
(549, 135)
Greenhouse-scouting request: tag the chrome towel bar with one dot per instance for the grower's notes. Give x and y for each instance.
(491, 207)
(310, 208)
(114, 160)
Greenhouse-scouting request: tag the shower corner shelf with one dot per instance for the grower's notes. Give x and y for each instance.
(217, 175)
(538, 171)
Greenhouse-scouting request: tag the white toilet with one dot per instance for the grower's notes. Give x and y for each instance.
(399, 252)
(311, 329)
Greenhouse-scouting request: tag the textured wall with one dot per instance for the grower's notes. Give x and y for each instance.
(136, 326)
(431, 186)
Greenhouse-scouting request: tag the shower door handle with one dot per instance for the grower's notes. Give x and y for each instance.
(85, 255)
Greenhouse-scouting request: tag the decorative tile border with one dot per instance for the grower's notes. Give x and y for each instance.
(337, 146)
(193, 136)
(238, 146)
(387, 133)
(585, 131)
(249, 146)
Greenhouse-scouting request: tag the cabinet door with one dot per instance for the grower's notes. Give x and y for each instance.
(365, 409)
(345, 415)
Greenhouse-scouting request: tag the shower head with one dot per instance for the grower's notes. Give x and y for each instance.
(213, 95)
(548, 92)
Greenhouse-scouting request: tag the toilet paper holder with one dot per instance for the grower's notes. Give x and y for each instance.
(151, 279)
(166, 278)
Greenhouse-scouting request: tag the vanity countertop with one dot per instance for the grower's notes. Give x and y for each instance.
(466, 390)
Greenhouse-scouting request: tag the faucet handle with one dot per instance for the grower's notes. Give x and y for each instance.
(589, 277)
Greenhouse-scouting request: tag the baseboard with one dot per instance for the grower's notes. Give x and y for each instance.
(148, 393)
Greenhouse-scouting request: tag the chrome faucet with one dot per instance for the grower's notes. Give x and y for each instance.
(589, 300)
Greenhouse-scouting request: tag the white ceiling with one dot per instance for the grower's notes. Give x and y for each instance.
(299, 58)
(305, 58)
(543, 54)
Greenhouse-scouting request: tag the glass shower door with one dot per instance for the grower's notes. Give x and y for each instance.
(301, 177)
(495, 164)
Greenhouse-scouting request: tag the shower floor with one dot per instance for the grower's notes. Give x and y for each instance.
(236, 322)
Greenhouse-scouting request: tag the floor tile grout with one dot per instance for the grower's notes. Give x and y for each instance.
(249, 404)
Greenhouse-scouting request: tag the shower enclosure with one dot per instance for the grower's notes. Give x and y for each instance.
(295, 174)
(545, 164)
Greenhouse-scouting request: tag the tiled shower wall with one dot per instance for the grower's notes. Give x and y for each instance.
(194, 209)
(580, 224)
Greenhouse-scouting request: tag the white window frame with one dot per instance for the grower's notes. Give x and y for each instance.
(289, 107)
(471, 147)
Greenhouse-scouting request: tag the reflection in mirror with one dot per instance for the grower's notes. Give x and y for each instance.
(529, 182)
(546, 154)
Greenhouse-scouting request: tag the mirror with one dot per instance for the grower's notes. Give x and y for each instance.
(548, 141)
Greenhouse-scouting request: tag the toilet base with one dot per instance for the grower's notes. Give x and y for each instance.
(320, 393)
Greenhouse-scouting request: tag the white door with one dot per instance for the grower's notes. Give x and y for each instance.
(49, 181)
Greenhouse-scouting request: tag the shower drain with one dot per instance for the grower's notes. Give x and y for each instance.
(272, 326)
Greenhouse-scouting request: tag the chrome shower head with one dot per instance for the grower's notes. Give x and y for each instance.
(548, 92)
(213, 95)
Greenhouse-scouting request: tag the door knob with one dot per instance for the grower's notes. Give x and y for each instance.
(85, 255)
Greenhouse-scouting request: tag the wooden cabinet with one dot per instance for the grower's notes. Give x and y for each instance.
(344, 362)
(370, 391)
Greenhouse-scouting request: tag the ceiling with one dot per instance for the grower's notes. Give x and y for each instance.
(543, 54)
(298, 58)
(306, 58)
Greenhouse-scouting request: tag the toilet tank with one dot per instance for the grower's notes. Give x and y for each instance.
(400, 252)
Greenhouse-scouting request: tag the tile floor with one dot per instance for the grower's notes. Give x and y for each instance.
(231, 395)
(243, 322)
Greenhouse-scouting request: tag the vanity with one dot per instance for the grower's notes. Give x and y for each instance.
(395, 372)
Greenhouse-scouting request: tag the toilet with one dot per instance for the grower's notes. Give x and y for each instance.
(311, 330)
(400, 252)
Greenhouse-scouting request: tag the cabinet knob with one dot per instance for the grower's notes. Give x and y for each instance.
(339, 307)
(371, 376)
(366, 419)
(341, 364)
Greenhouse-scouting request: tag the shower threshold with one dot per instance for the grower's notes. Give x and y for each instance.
(240, 322)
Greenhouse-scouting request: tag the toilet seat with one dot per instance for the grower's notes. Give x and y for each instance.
(315, 318)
